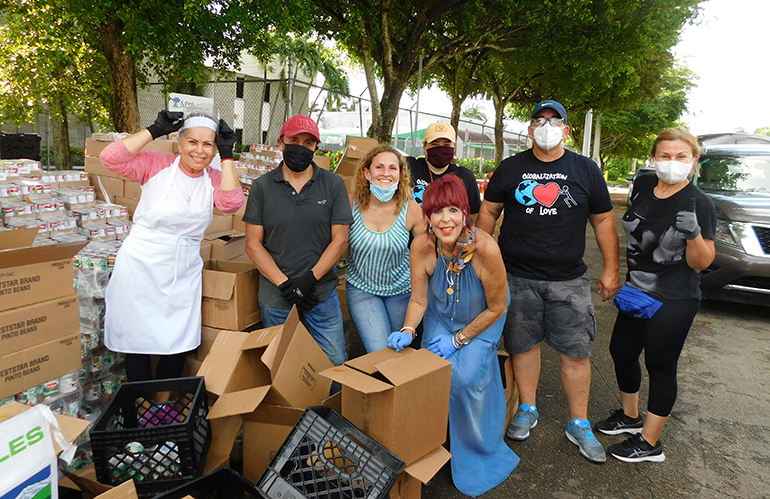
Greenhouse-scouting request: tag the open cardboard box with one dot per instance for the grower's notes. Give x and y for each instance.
(279, 365)
(227, 244)
(409, 484)
(355, 150)
(230, 294)
(33, 274)
(384, 390)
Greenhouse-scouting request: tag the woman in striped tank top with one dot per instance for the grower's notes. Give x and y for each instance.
(384, 214)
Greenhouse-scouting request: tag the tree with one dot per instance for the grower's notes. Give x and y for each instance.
(457, 77)
(389, 37)
(46, 63)
(765, 130)
(475, 112)
(629, 132)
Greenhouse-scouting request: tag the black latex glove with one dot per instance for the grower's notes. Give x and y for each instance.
(297, 289)
(310, 301)
(687, 221)
(165, 123)
(225, 140)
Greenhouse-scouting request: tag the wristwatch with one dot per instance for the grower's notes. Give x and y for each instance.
(462, 339)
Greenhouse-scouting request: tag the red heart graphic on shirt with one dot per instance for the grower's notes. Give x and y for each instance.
(546, 194)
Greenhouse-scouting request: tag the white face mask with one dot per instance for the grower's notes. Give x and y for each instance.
(548, 136)
(672, 172)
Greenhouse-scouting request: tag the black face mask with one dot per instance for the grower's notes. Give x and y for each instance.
(297, 157)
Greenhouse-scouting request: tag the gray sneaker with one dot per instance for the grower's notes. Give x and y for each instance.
(525, 419)
(579, 433)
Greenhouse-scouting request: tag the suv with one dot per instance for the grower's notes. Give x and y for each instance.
(737, 179)
(643, 170)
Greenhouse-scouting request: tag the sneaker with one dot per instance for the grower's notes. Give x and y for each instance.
(579, 433)
(619, 423)
(525, 419)
(636, 449)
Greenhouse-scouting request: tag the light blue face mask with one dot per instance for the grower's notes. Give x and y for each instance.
(382, 193)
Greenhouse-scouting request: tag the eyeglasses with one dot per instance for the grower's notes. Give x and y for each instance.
(554, 121)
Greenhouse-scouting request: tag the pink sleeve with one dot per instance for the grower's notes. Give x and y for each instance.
(140, 168)
(226, 201)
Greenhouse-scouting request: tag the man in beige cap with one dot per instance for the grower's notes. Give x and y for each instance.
(439, 147)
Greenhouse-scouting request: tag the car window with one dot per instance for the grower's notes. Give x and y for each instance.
(734, 173)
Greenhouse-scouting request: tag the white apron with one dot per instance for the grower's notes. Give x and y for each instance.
(153, 299)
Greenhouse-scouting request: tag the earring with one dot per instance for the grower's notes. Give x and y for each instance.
(430, 228)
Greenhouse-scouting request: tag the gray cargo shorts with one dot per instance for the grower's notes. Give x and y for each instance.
(560, 313)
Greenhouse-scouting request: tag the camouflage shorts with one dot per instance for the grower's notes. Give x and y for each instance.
(559, 313)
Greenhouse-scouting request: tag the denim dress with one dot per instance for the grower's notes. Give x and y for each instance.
(481, 460)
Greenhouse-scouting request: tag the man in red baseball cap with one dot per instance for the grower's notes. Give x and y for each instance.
(297, 220)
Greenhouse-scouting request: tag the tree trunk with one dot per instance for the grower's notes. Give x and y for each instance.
(457, 107)
(499, 147)
(371, 83)
(391, 98)
(61, 142)
(125, 104)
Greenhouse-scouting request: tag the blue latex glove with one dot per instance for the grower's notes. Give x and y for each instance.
(398, 340)
(442, 345)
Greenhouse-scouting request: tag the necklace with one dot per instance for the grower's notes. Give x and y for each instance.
(462, 254)
(185, 192)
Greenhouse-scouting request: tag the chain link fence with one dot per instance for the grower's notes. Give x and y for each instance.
(256, 108)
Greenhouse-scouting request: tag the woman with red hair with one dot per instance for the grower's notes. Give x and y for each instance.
(460, 293)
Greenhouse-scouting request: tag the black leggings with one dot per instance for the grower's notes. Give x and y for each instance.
(139, 366)
(662, 339)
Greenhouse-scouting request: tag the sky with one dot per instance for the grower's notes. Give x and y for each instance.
(727, 47)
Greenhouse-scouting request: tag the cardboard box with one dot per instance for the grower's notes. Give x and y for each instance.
(324, 162)
(220, 223)
(264, 431)
(112, 187)
(33, 274)
(382, 391)
(349, 183)
(194, 362)
(230, 295)
(355, 150)
(278, 366)
(205, 250)
(409, 484)
(94, 166)
(509, 386)
(38, 364)
(132, 190)
(226, 245)
(130, 204)
(342, 291)
(25, 327)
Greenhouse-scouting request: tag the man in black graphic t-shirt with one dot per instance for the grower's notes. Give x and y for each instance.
(549, 194)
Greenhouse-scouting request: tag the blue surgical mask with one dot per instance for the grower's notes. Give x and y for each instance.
(382, 193)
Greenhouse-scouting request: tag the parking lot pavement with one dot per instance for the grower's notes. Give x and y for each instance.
(717, 440)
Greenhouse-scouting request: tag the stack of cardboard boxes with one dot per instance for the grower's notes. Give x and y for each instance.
(39, 312)
(110, 186)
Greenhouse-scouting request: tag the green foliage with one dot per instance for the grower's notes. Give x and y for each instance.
(77, 155)
(335, 156)
(765, 130)
(474, 112)
(479, 167)
(618, 168)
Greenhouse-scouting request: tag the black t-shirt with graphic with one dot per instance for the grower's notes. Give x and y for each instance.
(422, 177)
(656, 250)
(543, 235)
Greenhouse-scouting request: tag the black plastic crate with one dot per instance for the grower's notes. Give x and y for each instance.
(160, 445)
(223, 483)
(20, 146)
(327, 457)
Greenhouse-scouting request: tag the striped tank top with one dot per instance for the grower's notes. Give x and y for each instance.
(378, 262)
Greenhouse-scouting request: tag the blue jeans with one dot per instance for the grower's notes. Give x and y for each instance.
(376, 316)
(324, 322)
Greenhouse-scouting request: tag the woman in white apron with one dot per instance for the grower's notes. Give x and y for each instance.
(153, 300)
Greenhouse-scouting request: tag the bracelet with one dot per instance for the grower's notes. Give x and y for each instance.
(410, 330)
(456, 343)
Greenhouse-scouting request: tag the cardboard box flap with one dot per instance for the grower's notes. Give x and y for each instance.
(21, 238)
(260, 338)
(225, 235)
(223, 434)
(421, 362)
(242, 402)
(277, 348)
(126, 490)
(275, 414)
(356, 380)
(368, 363)
(221, 360)
(425, 468)
(37, 254)
(86, 481)
(221, 288)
